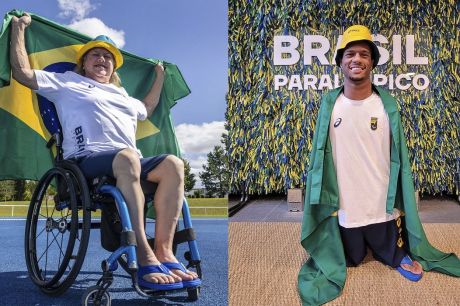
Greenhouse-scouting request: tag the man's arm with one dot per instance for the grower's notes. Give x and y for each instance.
(19, 60)
(153, 96)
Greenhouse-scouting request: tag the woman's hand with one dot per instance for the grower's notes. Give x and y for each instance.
(22, 22)
(20, 65)
(153, 96)
(159, 69)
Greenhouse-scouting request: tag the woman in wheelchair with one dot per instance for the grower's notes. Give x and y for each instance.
(99, 122)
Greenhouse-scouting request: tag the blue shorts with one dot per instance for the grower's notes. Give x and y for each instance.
(384, 239)
(97, 164)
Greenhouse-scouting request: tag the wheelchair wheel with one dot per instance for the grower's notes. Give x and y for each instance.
(90, 297)
(57, 233)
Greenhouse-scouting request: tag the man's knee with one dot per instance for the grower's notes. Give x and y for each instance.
(127, 163)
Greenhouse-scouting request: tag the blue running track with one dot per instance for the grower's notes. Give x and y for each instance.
(17, 289)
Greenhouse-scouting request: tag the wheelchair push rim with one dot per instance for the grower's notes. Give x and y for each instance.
(55, 244)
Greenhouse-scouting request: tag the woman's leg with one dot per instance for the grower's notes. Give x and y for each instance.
(127, 169)
(169, 175)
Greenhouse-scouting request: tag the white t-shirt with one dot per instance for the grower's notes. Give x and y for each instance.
(360, 137)
(94, 116)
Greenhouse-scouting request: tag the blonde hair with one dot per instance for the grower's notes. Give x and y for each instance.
(114, 78)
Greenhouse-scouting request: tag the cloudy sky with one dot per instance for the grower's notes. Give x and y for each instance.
(190, 34)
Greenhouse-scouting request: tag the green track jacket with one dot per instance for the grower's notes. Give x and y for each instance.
(322, 277)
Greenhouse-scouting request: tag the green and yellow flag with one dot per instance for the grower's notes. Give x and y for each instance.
(50, 46)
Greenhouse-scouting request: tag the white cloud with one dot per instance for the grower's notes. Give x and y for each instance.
(196, 164)
(202, 138)
(78, 10)
(75, 9)
(94, 27)
(196, 141)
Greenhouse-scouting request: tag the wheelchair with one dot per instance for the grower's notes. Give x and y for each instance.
(59, 223)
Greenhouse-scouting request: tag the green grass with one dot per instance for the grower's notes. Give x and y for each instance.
(208, 207)
(211, 202)
(199, 207)
(5, 208)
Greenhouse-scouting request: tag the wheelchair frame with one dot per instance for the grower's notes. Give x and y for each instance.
(80, 199)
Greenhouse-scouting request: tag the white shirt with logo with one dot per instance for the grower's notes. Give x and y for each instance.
(94, 116)
(360, 137)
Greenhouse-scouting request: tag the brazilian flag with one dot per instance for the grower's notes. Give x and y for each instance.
(52, 47)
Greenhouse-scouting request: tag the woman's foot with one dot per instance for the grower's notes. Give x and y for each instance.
(160, 277)
(171, 261)
(180, 268)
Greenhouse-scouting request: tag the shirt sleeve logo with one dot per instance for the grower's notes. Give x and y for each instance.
(337, 122)
(374, 121)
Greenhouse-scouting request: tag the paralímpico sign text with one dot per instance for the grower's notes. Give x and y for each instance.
(286, 53)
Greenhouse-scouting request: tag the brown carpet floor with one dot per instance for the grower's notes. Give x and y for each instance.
(264, 259)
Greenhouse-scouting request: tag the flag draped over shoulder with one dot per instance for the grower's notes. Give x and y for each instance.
(322, 278)
(50, 46)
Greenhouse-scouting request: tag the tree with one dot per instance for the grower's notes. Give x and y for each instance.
(19, 189)
(189, 177)
(6, 190)
(197, 193)
(216, 175)
(29, 190)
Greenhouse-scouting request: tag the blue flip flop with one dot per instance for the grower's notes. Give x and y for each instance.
(407, 274)
(156, 286)
(179, 266)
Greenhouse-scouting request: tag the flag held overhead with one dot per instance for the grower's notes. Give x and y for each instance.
(53, 47)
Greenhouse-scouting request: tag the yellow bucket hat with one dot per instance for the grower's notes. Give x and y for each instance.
(353, 34)
(105, 42)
